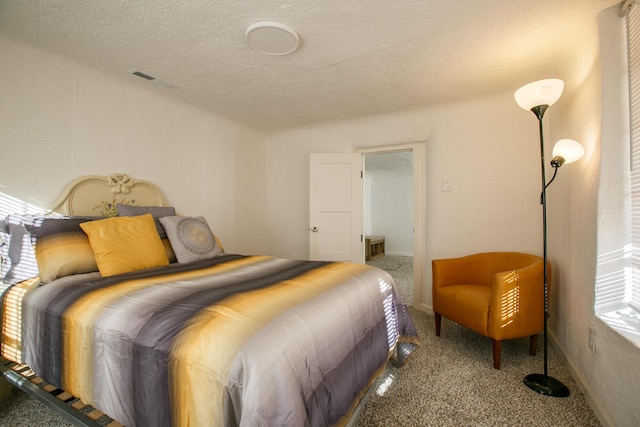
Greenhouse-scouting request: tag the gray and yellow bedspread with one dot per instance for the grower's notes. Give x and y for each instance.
(235, 340)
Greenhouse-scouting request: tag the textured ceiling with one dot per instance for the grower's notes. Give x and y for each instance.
(356, 58)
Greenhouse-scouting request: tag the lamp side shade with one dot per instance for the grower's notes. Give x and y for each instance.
(569, 150)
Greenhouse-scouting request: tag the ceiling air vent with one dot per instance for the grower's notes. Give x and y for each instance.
(151, 78)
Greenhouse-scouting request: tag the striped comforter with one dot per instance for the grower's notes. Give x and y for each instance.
(236, 340)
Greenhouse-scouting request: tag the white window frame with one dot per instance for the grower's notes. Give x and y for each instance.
(617, 296)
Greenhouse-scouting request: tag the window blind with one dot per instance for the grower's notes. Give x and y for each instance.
(633, 46)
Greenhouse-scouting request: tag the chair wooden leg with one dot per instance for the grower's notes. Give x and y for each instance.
(497, 352)
(438, 319)
(533, 344)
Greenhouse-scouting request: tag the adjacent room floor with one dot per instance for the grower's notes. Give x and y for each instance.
(401, 269)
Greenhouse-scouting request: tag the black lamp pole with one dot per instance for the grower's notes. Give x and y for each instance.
(543, 383)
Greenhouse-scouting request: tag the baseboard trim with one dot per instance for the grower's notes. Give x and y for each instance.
(595, 403)
(398, 253)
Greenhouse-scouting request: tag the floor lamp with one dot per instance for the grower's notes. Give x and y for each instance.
(537, 97)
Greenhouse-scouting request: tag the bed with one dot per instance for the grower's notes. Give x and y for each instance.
(120, 304)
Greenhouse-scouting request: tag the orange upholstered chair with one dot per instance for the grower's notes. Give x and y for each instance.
(497, 294)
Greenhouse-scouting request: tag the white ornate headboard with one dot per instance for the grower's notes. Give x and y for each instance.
(96, 195)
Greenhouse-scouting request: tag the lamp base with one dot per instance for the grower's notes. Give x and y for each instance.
(546, 385)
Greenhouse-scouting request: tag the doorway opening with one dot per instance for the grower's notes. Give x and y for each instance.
(393, 215)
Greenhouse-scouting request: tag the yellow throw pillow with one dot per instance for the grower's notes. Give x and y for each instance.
(127, 243)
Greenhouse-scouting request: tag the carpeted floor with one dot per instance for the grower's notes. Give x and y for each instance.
(447, 381)
(21, 410)
(450, 381)
(401, 269)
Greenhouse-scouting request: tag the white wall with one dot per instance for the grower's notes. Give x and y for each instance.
(595, 114)
(288, 169)
(389, 200)
(492, 164)
(251, 202)
(60, 119)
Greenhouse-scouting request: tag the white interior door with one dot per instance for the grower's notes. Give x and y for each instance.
(335, 207)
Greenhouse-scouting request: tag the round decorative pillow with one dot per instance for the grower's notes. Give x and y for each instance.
(190, 237)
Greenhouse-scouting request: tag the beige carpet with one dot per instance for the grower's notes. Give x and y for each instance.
(450, 381)
(21, 410)
(401, 269)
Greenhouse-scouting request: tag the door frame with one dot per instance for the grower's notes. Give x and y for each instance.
(419, 188)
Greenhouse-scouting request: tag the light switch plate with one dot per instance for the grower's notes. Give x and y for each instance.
(446, 184)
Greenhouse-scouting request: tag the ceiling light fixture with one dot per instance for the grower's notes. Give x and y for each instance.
(272, 38)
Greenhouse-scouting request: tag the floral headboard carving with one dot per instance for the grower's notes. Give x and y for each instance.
(120, 183)
(98, 195)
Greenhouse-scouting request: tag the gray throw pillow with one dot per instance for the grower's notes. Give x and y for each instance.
(17, 253)
(191, 238)
(156, 211)
(18, 257)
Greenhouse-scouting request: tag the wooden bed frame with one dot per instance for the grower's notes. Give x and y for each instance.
(95, 195)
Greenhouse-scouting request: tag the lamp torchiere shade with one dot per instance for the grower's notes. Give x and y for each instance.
(569, 150)
(541, 92)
